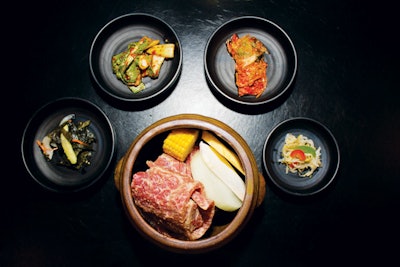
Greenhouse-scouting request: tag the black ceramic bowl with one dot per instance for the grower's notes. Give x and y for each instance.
(49, 174)
(220, 66)
(292, 183)
(114, 38)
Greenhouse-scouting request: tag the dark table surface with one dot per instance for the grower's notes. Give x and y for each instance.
(346, 79)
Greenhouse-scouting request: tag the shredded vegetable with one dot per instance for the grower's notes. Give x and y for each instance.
(300, 155)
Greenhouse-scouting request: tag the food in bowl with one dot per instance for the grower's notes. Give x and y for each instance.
(72, 141)
(142, 58)
(300, 155)
(180, 190)
(250, 66)
(225, 225)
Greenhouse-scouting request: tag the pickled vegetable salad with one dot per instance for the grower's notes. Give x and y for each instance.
(143, 58)
(300, 155)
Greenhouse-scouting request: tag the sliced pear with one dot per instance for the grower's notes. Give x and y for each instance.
(215, 189)
(231, 156)
(228, 175)
(162, 50)
(222, 158)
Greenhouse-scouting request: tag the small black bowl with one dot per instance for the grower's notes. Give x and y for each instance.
(114, 38)
(292, 183)
(282, 59)
(49, 174)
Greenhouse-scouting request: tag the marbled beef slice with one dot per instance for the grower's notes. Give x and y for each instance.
(173, 203)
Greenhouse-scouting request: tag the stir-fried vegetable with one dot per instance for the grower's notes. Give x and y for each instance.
(73, 141)
(143, 58)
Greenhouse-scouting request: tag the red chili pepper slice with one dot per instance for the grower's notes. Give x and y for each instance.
(298, 154)
(293, 164)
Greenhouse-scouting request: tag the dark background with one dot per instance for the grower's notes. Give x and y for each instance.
(347, 79)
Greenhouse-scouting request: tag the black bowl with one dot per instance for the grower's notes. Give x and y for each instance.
(282, 59)
(292, 183)
(49, 174)
(114, 38)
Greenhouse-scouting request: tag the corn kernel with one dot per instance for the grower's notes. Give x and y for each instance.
(179, 142)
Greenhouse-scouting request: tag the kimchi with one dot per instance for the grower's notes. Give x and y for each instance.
(250, 66)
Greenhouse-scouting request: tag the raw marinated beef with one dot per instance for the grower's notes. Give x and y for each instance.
(171, 200)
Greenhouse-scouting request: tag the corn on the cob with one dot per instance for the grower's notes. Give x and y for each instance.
(179, 142)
